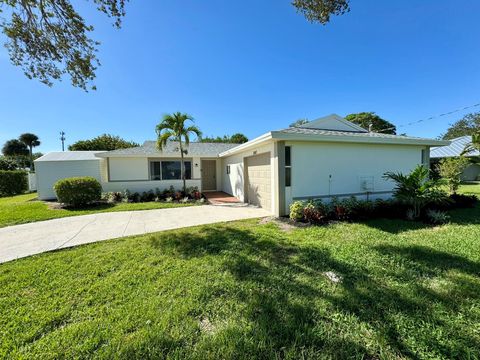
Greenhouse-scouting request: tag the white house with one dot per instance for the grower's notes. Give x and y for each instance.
(455, 149)
(324, 158)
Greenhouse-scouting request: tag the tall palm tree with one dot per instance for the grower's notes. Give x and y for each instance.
(31, 141)
(173, 127)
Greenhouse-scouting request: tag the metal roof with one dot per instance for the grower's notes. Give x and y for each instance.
(454, 149)
(149, 148)
(69, 156)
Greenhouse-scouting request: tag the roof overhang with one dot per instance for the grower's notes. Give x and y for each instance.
(154, 155)
(358, 139)
(249, 144)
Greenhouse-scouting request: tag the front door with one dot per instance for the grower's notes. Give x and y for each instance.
(209, 172)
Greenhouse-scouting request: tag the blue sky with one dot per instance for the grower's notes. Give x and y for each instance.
(254, 66)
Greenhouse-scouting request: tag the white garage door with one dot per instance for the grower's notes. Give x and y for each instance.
(259, 180)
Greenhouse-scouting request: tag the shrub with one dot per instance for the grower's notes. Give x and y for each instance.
(13, 182)
(78, 191)
(296, 210)
(464, 201)
(113, 196)
(147, 196)
(436, 217)
(313, 214)
(451, 170)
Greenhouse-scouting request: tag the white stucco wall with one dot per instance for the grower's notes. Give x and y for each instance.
(233, 183)
(320, 169)
(126, 169)
(49, 172)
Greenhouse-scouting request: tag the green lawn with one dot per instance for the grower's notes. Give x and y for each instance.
(22, 209)
(247, 290)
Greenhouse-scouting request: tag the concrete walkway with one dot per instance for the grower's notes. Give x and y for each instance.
(28, 239)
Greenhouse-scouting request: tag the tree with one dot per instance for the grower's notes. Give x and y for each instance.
(15, 149)
(299, 123)
(49, 38)
(172, 127)
(7, 163)
(104, 142)
(468, 125)
(365, 119)
(237, 138)
(451, 170)
(321, 10)
(31, 141)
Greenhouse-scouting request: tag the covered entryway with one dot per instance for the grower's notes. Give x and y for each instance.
(259, 180)
(209, 175)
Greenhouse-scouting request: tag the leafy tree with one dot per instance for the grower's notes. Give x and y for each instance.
(16, 150)
(321, 10)
(49, 38)
(31, 141)
(172, 127)
(105, 142)
(416, 189)
(365, 119)
(7, 164)
(468, 125)
(299, 122)
(451, 170)
(237, 138)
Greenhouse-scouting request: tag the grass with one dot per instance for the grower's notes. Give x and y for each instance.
(248, 290)
(22, 209)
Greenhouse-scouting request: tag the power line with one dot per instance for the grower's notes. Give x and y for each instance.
(430, 118)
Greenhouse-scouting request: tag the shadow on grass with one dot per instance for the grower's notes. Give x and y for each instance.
(289, 301)
(468, 216)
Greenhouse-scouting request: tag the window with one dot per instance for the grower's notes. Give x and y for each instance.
(228, 169)
(155, 170)
(424, 157)
(288, 166)
(169, 170)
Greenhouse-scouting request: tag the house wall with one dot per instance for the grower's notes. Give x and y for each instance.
(471, 173)
(329, 169)
(128, 169)
(141, 186)
(49, 172)
(234, 183)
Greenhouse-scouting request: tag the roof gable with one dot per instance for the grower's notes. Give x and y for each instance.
(333, 122)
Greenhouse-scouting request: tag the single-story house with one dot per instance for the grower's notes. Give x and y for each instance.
(324, 158)
(455, 149)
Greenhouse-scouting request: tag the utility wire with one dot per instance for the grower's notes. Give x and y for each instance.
(429, 118)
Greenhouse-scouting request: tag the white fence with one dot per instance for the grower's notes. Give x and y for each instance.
(32, 182)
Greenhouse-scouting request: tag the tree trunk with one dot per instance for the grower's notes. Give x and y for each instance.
(182, 169)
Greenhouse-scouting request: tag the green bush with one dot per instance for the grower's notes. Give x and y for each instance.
(13, 182)
(296, 210)
(78, 191)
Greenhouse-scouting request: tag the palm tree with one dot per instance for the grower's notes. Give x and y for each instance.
(173, 127)
(474, 145)
(15, 149)
(31, 141)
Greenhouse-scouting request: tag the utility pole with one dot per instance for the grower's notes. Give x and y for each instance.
(62, 138)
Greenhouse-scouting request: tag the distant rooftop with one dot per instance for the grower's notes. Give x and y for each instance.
(70, 156)
(172, 148)
(454, 149)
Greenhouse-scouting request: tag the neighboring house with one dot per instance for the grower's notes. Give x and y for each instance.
(324, 158)
(455, 149)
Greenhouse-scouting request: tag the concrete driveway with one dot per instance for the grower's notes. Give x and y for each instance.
(28, 239)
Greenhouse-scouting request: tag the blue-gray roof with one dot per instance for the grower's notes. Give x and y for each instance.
(149, 148)
(454, 149)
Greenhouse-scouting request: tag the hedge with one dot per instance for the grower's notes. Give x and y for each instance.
(78, 191)
(13, 182)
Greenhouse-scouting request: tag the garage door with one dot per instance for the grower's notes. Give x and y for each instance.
(259, 181)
